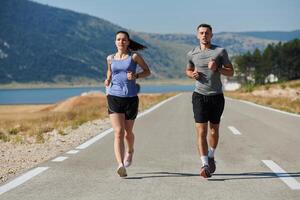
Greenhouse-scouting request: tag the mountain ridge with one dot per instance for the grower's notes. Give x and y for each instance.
(40, 43)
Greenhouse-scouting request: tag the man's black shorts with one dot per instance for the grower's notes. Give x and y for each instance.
(208, 108)
(127, 105)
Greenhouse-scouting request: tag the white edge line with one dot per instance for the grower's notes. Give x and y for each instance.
(73, 152)
(234, 130)
(59, 159)
(30, 174)
(290, 181)
(265, 107)
(22, 179)
(101, 135)
(94, 139)
(157, 106)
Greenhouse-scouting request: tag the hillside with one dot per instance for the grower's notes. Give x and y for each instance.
(235, 43)
(39, 43)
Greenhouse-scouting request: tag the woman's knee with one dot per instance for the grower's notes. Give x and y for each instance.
(129, 134)
(119, 133)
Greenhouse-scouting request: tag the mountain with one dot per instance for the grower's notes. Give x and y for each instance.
(39, 43)
(234, 43)
(274, 35)
(42, 43)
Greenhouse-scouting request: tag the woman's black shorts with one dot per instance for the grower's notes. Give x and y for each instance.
(208, 108)
(127, 105)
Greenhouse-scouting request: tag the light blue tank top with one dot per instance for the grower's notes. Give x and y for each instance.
(120, 85)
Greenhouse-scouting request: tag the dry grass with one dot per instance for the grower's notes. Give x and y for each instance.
(282, 96)
(18, 123)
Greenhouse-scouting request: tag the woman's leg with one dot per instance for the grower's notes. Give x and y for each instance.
(118, 125)
(129, 138)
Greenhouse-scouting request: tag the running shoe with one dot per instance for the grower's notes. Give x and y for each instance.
(204, 171)
(128, 159)
(211, 165)
(122, 171)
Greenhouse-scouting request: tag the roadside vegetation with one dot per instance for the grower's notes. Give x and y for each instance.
(283, 96)
(270, 77)
(28, 123)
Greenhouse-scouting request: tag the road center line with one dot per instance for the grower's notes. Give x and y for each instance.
(234, 130)
(283, 175)
(22, 179)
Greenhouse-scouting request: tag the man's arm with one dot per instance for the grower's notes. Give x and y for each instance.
(226, 70)
(191, 72)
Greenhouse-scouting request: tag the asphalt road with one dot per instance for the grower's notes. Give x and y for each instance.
(257, 158)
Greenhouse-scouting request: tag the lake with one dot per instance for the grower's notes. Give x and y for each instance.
(53, 95)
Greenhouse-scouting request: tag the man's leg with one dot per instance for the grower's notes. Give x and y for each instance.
(201, 129)
(213, 139)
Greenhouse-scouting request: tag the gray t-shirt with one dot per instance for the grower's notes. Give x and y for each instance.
(209, 82)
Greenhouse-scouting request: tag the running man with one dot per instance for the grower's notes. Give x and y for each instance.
(206, 63)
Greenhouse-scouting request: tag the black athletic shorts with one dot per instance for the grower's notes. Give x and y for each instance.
(208, 108)
(127, 105)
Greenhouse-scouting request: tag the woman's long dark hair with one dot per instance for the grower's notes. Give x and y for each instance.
(133, 45)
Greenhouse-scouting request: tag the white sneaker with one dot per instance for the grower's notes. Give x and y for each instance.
(128, 159)
(122, 171)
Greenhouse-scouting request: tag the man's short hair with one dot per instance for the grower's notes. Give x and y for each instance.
(205, 26)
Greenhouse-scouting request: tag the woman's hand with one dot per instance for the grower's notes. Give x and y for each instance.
(131, 76)
(106, 82)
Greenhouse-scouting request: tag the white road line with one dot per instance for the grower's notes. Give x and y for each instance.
(72, 151)
(157, 106)
(234, 130)
(25, 177)
(22, 179)
(94, 139)
(101, 135)
(265, 107)
(283, 175)
(59, 159)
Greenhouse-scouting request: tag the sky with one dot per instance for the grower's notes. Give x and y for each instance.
(183, 16)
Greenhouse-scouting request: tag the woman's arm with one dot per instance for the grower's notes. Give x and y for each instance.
(108, 73)
(140, 61)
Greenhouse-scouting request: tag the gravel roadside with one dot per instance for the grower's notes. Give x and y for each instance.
(17, 158)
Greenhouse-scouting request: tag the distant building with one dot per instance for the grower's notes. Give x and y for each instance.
(271, 78)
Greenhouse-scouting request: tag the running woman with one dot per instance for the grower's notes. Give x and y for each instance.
(122, 95)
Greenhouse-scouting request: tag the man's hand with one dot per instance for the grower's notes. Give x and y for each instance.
(212, 65)
(196, 74)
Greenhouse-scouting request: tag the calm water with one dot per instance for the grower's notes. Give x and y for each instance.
(52, 95)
